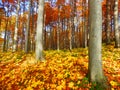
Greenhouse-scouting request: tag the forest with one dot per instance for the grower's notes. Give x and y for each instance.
(59, 44)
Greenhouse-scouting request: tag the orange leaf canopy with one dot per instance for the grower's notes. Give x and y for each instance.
(10, 1)
(60, 2)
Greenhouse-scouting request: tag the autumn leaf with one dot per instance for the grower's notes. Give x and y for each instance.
(62, 70)
(113, 83)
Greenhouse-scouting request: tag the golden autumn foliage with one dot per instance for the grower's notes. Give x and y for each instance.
(63, 70)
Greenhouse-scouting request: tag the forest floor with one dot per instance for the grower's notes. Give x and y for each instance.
(63, 70)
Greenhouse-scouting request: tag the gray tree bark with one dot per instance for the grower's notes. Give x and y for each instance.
(5, 36)
(117, 33)
(16, 29)
(58, 30)
(108, 23)
(95, 70)
(27, 37)
(84, 25)
(39, 32)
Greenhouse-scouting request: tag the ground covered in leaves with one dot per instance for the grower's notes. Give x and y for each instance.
(63, 70)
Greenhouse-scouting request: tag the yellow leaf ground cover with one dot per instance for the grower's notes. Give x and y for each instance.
(63, 70)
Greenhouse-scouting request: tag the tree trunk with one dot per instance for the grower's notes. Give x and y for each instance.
(70, 34)
(84, 25)
(39, 32)
(108, 23)
(45, 46)
(73, 14)
(50, 38)
(58, 29)
(117, 33)
(16, 29)
(22, 37)
(27, 37)
(95, 70)
(5, 36)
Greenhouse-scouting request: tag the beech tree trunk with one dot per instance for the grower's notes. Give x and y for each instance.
(39, 32)
(16, 29)
(108, 23)
(27, 37)
(5, 36)
(84, 25)
(95, 70)
(117, 33)
(70, 34)
(58, 30)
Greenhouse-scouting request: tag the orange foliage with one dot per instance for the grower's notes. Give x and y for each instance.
(59, 2)
(55, 14)
(104, 2)
(48, 13)
(51, 14)
(11, 1)
(65, 11)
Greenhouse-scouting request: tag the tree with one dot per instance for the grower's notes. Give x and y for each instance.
(39, 32)
(84, 3)
(58, 29)
(59, 3)
(117, 35)
(95, 70)
(73, 15)
(16, 28)
(5, 36)
(6, 29)
(108, 27)
(28, 29)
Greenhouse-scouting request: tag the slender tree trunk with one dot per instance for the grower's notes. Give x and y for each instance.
(117, 33)
(44, 43)
(95, 69)
(7, 42)
(50, 38)
(44, 32)
(73, 6)
(108, 23)
(23, 31)
(32, 27)
(5, 36)
(22, 37)
(4, 44)
(73, 32)
(70, 34)
(62, 40)
(0, 21)
(54, 38)
(39, 32)
(27, 37)
(84, 25)
(58, 30)
(66, 34)
(16, 29)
